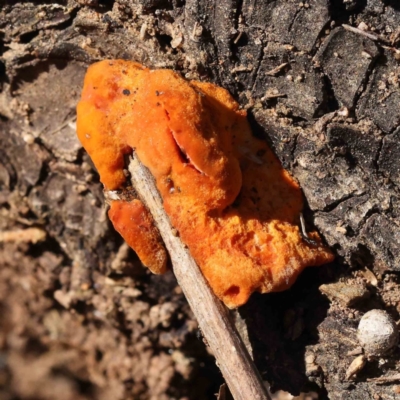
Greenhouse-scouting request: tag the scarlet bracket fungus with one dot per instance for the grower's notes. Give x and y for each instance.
(225, 192)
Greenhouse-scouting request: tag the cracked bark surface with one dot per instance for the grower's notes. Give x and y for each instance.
(79, 305)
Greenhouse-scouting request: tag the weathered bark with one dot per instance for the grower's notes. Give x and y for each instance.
(325, 97)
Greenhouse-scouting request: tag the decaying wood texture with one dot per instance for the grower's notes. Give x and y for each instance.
(80, 318)
(230, 353)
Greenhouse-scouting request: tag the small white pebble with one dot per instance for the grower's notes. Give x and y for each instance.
(310, 359)
(363, 26)
(28, 138)
(343, 112)
(377, 333)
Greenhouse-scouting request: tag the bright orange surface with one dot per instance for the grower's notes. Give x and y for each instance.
(136, 226)
(226, 193)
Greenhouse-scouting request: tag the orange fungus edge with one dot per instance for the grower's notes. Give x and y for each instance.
(135, 224)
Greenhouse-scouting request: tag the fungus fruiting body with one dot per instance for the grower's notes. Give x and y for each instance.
(136, 226)
(225, 192)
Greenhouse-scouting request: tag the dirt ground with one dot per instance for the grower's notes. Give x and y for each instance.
(80, 318)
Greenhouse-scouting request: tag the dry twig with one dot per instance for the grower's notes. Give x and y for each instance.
(277, 69)
(358, 31)
(231, 355)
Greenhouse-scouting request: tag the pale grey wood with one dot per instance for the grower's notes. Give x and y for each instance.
(232, 358)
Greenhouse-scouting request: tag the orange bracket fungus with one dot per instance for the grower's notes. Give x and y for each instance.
(225, 192)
